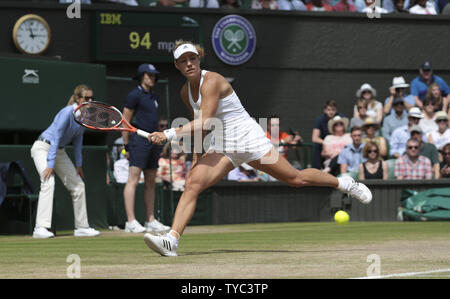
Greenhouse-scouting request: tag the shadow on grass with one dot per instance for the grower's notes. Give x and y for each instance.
(219, 251)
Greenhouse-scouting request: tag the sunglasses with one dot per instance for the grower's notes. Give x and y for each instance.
(441, 120)
(163, 125)
(372, 151)
(87, 98)
(413, 147)
(445, 154)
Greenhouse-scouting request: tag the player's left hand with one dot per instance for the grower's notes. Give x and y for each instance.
(80, 172)
(157, 138)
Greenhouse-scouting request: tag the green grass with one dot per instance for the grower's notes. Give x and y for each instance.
(275, 250)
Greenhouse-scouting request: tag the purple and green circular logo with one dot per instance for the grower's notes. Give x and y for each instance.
(233, 39)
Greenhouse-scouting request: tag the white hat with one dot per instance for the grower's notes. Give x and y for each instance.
(337, 119)
(184, 48)
(399, 82)
(246, 166)
(364, 87)
(415, 112)
(440, 115)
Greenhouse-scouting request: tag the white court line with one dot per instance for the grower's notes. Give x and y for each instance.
(403, 274)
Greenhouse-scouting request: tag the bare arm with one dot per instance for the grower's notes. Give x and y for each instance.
(316, 136)
(361, 172)
(437, 171)
(385, 170)
(418, 102)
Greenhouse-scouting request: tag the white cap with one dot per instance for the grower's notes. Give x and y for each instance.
(184, 48)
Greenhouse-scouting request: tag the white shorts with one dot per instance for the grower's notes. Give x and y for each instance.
(241, 141)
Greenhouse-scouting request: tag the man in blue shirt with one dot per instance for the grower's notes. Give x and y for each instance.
(351, 155)
(419, 86)
(394, 120)
(142, 104)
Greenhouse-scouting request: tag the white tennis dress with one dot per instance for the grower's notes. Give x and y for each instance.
(234, 133)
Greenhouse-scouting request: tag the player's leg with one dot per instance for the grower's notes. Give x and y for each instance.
(210, 168)
(278, 167)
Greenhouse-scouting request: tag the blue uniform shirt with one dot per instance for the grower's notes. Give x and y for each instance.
(63, 131)
(419, 88)
(145, 106)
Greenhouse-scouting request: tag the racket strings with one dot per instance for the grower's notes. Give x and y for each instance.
(99, 116)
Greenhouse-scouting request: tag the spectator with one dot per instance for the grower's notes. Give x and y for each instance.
(344, 5)
(398, 90)
(423, 7)
(445, 164)
(142, 104)
(370, 127)
(435, 95)
(121, 170)
(264, 4)
(232, 4)
(291, 5)
(399, 6)
(395, 120)
(420, 84)
(428, 123)
(318, 5)
(351, 155)
(374, 167)
(278, 138)
(50, 157)
(401, 135)
(441, 136)
(426, 149)
(413, 166)
(243, 173)
(361, 106)
(204, 3)
(392, 6)
(372, 7)
(321, 130)
(178, 165)
(334, 143)
(375, 108)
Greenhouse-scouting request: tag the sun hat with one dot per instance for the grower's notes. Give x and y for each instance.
(415, 128)
(335, 120)
(364, 87)
(370, 122)
(184, 48)
(440, 115)
(399, 82)
(415, 112)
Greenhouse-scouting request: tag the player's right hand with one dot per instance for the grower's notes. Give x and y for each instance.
(47, 173)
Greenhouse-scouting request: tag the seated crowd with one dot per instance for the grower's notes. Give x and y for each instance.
(429, 7)
(405, 137)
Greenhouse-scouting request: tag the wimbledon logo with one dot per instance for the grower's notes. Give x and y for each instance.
(233, 39)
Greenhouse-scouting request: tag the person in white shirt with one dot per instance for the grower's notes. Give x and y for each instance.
(423, 7)
(428, 122)
(441, 136)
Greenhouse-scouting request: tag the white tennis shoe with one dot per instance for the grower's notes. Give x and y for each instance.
(355, 189)
(42, 233)
(156, 226)
(165, 245)
(86, 232)
(134, 227)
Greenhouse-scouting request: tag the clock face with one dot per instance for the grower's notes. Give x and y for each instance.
(32, 35)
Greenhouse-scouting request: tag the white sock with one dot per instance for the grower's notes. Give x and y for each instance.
(172, 237)
(344, 184)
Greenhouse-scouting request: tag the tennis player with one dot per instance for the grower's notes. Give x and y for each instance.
(209, 97)
(50, 157)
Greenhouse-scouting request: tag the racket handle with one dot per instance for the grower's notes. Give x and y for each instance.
(142, 133)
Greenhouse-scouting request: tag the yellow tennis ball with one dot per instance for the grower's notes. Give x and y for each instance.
(341, 217)
(124, 152)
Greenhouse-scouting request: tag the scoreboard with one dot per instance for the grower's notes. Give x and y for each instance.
(135, 36)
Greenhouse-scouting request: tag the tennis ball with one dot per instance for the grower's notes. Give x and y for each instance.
(341, 217)
(124, 152)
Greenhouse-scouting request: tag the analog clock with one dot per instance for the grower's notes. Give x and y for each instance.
(31, 34)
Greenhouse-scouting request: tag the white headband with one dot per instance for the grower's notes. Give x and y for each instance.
(183, 49)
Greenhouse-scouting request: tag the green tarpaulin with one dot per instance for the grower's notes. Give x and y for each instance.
(429, 205)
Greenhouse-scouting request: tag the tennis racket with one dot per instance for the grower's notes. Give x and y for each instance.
(103, 117)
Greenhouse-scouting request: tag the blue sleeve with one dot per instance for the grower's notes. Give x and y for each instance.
(132, 100)
(414, 88)
(443, 85)
(61, 121)
(77, 146)
(342, 157)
